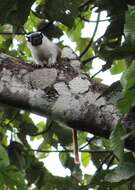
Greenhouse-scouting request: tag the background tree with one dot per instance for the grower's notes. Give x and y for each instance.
(109, 115)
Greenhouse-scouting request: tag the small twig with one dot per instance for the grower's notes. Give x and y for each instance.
(49, 151)
(11, 33)
(94, 21)
(11, 120)
(91, 41)
(100, 166)
(89, 142)
(57, 151)
(84, 4)
(103, 162)
(110, 161)
(89, 60)
(42, 132)
(97, 151)
(96, 73)
(109, 156)
(104, 67)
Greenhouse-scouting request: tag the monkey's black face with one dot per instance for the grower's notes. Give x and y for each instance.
(35, 38)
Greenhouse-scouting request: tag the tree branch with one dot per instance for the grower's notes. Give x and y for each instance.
(62, 93)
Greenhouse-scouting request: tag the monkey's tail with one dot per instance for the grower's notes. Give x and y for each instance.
(75, 144)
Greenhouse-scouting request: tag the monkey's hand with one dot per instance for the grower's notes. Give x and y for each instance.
(37, 66)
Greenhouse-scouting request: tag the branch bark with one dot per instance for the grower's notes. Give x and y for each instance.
(63, 92)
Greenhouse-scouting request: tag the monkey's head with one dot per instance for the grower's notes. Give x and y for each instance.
(35, 38)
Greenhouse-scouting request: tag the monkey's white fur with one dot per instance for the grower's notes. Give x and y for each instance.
(46, 53)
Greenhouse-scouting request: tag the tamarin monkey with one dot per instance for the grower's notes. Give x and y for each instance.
(45, 52)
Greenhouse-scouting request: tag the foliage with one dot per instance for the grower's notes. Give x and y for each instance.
(21, 167)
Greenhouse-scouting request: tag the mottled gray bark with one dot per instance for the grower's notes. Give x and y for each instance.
(62, 92)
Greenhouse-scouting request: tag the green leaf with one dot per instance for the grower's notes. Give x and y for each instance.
(1, 180)
(65, 12)
(81, 44)
(117, 142)
(129, 157)
(63, 134)
(75, 33)
(97, 158)
(43, 146)
(41, 126)
(50, 30)
(11, 11)
(59, 183)
(85, 158)
(14, 179)
(16, 154)
(123, 172)
(5, 44)
(34, 172)
(32, 22)
(98, 179)
(127, 101)
(4, 160)
(87, 178)
(67, 161)
(128, 77)
(27, 126)
(129, 27)
(118, 67)
(82, 137)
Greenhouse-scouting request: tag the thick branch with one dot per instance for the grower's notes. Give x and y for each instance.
(61, 92)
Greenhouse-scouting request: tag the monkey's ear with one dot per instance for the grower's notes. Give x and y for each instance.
(27, 36)
(41, 34)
